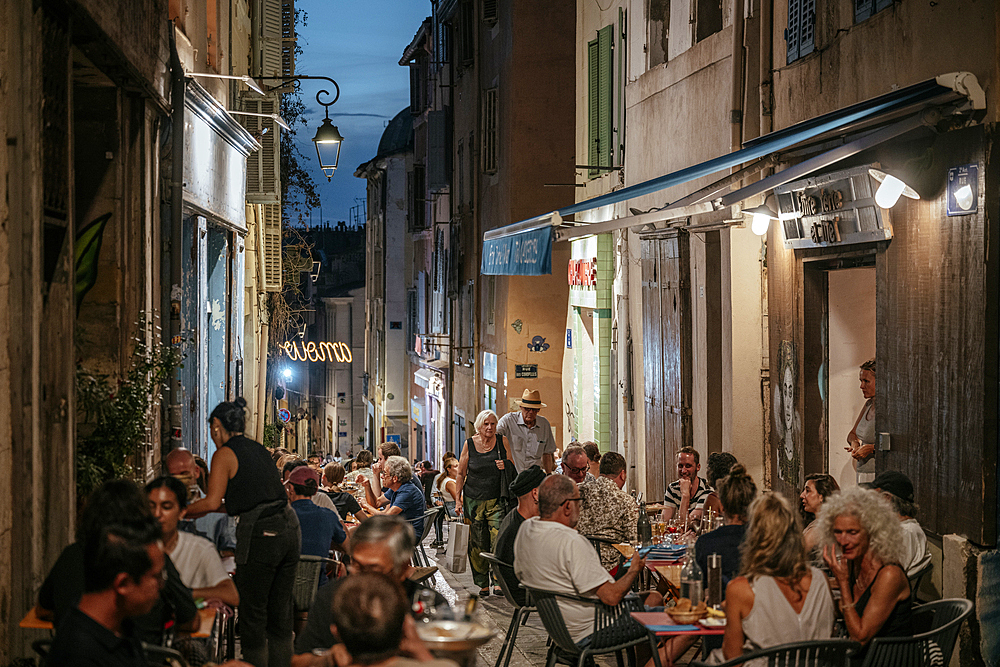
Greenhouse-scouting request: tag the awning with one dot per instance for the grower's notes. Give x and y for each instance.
(521, 249)
(900, 104)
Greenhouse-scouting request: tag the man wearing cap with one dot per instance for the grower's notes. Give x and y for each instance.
(525, 487)
(529, 434)
(607, 511)
(320, 526)
(898, 488)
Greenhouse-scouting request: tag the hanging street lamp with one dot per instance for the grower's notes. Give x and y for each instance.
(328, 139)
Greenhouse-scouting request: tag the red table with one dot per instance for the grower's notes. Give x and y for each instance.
(653, 619)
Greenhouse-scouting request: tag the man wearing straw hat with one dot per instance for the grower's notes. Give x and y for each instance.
(529, 434)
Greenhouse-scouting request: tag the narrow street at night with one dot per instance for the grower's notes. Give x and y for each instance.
(497, 333)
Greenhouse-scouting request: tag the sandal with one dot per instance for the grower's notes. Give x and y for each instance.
(484, 592)
(497, 591)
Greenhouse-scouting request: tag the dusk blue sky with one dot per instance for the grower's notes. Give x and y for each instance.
(358, 44)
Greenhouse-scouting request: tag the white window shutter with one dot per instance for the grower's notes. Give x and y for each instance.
(272, 247)
(270, 34)
(263, 166)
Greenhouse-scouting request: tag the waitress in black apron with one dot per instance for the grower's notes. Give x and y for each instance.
(267, 535)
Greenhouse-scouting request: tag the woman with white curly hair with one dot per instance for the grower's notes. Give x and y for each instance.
(862, 542)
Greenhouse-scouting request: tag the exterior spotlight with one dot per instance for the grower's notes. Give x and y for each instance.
(890, 188)
(287, 374)
(250, 82)
(273, 116)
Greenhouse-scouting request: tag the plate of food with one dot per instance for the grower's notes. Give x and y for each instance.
(712, 622)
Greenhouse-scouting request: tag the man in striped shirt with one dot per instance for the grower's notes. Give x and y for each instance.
(685, 498)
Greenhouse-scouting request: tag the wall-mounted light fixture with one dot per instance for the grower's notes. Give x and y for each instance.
(248, 80)
(762, 217)
(890, 188)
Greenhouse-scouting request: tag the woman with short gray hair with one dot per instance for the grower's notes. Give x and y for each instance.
(480, 476)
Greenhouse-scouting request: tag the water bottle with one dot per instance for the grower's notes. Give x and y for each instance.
(643, 529)
(692, 576)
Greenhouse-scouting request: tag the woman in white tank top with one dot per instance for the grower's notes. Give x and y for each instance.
(861, 439)
(778, 597)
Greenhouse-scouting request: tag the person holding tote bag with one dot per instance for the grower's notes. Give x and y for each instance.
(481, 468)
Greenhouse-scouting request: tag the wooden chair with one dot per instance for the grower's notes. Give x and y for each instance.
(521, 612)
(818, 653)
(942, 620)
(615, 631)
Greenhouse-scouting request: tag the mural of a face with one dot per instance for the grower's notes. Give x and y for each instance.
(788, 397)
(786, 419)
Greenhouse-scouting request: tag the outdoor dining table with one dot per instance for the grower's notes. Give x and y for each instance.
(206, 619)
(662, 625)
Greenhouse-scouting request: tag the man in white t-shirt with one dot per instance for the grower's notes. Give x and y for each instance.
(549, 554)
(898, 488)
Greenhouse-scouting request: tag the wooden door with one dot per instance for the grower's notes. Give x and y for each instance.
(666, 339)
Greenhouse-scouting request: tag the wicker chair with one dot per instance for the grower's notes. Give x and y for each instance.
(614, 629)
(817, 653)
(942, 618)
(304, 588)
(521, 612)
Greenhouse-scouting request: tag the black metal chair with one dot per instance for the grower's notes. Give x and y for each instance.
(615, 631)
(420, 557)
(817, 653)
(521, 612)
(917, 577)
(940, 621)
(161, 655)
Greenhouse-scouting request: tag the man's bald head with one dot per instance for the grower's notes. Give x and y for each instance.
(181, 461)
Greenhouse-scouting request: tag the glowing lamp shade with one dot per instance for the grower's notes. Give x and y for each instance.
(760, 224)
(890, 188)
(328, 141)
(761, 217)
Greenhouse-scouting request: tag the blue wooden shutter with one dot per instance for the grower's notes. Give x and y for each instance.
(807, 30)
(800, 35)
(792, 31)
(863, 9)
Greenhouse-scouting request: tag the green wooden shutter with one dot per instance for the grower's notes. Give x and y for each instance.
(605, 46)
(600, 99)
(593, 95)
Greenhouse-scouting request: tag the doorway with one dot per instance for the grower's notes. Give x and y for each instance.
(851, 299)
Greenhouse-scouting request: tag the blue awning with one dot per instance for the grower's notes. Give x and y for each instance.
(947, 87)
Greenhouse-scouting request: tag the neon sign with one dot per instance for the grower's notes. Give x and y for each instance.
(324, 351)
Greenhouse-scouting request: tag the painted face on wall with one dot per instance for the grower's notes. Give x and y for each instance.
(787, 397)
